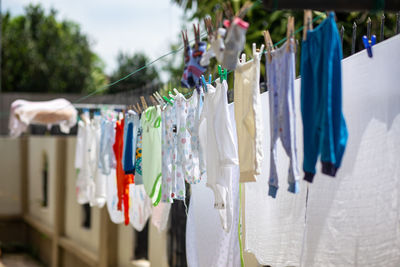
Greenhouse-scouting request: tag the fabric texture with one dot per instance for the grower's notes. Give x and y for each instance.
(217, 141)
(151, 153)
(207, 243)
(139, 208)
(138, 155)
(216, 49)
(324, 130)
(130, 135)
(234, 43)
(352, 220)
(160, 215)
(54, 112)
(248, 116)
(280, 72)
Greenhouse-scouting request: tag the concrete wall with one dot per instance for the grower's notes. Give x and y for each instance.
(89, 238)
(10, 177)
(37, 147)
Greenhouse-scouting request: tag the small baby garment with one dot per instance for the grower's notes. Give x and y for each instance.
(116, 215)
(193, 69)
(248, 116)
(324, 127)
(99, 194)
(172, 185)
(217, 141)
(84, 181)
(130, 135)
(123, 180)
(138, 161)
(234, 43)
(140, 207)
(216, 49)
(280, 72)
(151, 152)
(160, 216)
(107, 138)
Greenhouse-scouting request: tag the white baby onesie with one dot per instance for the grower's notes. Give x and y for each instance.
(139, 206)
(248, 116)
(217, 141)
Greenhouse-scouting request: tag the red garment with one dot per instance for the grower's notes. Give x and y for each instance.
(123, 180)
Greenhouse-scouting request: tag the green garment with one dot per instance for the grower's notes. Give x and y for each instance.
(151, 153)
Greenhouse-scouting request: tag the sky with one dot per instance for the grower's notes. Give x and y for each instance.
(117, 25)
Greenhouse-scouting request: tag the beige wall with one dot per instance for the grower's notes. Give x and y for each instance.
(89, 238)
(37, 146)
(10, 176)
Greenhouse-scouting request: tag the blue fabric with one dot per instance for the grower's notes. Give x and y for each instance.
(324, 127)
(130, 134)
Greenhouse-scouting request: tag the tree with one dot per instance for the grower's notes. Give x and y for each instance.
(145, 78)
(41, 54)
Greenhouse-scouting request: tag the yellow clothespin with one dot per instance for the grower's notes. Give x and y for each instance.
(307, 23)
(290, 34)
(144, 104)
(268, 44)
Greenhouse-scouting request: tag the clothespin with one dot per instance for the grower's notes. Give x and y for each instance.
(223, 74)
(168, 100)
(206, 82)
(218, 19)
(269, 44)
(243, 10)
(196, 36)
(135, 109)
(185, 42)
(228, 10)
(160, 98)
(139, 108)
(209, 27)
(307, 23)
(144, 104)
(175, 91)
(290, 34)
(153, 100)
(369, 43)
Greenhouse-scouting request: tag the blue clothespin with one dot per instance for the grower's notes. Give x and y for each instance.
(206, 82)
(369, 43)
(223, 74)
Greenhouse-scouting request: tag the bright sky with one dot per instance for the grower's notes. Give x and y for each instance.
(117, 25)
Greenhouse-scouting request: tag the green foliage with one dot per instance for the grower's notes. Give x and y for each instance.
(41, 54)
(130, 63)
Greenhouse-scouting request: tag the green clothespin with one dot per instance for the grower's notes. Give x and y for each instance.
(223, 74)
(167, 100)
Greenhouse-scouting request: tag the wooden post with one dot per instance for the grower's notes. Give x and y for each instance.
(59, 213)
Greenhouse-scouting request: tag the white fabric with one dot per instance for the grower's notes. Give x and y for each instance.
(58, 111)
(248, 116)
(207, 244)
(160, 215)
(90, 183)
(139, 206)
(352, 219)
(116, 216)
(217, 141)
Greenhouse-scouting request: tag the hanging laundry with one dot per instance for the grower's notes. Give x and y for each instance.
(193, 69)
(160, 216)
(207, 243)
(324, 127)
(84, 181)
(123, 180)
(248, 116)
(151, 152)
(140, 206)
(280, 72)
(54, 112)
(138, 156)
(234, 43)
(216, 49)
(217, 141)
(130, 135)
